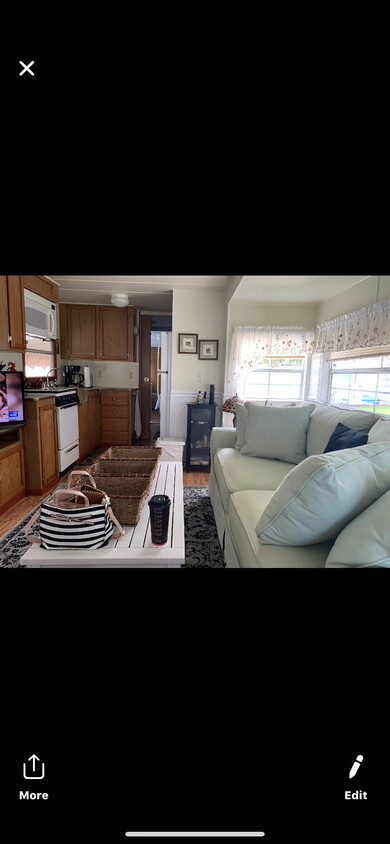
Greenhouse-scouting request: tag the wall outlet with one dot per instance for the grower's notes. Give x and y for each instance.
(199, 378)
(100, 373)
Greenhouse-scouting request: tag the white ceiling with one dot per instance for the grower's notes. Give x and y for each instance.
(293, 288)
(148, 292)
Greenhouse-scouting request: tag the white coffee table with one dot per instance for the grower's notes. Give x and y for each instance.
(134, 549)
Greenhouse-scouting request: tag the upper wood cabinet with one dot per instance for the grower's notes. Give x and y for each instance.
(81, 332)
(12, 316)
(113, 334)
(42, 286)
(89, 332)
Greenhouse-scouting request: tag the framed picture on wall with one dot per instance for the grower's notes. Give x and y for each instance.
(188, 344)
(208, 349)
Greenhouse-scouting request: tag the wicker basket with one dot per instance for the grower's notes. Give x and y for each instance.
(128, 460)
(128, 494)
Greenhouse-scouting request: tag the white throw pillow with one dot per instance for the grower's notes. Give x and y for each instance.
(277, 433)
(365, 542)
(325, 419)
(317, 499)
(380, 432)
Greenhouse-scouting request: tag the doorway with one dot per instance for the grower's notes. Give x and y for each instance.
(156, 360)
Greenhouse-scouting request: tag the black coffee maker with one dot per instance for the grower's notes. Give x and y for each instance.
(73, 376)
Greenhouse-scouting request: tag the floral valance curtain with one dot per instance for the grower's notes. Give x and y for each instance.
(361, 329)
(251, 345)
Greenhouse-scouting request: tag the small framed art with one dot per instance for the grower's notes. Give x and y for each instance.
(188, 344)
(208, 349)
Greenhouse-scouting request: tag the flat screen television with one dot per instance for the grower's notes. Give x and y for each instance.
(11, 399)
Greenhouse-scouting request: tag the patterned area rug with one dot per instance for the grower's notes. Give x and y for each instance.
(203, 550)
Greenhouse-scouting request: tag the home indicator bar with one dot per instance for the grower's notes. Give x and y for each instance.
(195, 834)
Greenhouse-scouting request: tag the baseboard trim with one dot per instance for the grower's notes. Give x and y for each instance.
(10, 504)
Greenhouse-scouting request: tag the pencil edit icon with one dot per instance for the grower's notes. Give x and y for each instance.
(355, 767)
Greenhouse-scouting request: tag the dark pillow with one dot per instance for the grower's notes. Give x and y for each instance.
(344, 437)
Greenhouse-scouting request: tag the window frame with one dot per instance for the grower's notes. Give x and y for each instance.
(371, 408)
(35, 379)
(303, 372)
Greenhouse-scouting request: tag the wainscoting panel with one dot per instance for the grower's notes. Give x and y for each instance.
(178, 421)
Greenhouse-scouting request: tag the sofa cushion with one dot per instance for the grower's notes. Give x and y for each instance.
(344, 437)
(242, 520)
(323, 421)
(318, 498)
(241, 415)
(277, 433)
(365, 542)
(380, 432)
(234, 472)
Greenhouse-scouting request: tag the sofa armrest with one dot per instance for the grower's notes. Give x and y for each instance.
(222, 438)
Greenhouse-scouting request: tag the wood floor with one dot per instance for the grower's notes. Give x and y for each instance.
(23, 507)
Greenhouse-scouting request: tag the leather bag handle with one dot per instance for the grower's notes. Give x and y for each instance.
(80, 472)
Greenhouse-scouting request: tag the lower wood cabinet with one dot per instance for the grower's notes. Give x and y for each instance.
(89, 424)
(12, 474)
(116, 417)
(41, 445)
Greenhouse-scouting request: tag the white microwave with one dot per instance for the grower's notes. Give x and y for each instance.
(41, 316)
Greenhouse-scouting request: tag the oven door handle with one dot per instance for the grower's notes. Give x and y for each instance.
(67, 406)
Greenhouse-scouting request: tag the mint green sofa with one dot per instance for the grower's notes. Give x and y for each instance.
(241, 487)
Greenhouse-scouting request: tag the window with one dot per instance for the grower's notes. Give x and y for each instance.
(361, 382)
(278, 378)
(39, 358)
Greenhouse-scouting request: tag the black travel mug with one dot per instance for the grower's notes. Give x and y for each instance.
(212, 388)
(159, 518)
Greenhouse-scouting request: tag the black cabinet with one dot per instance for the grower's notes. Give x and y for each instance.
(200, 422)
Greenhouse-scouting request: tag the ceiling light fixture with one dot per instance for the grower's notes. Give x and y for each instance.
(120, 300)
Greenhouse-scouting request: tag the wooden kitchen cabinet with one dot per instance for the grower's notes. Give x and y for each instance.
(116, 417)
(81, 333)
(89, 332)
(41, 445)
(94, 419)
(12, 314)
(12, 474)
(89, 424)
(42, 286)
(112, 334)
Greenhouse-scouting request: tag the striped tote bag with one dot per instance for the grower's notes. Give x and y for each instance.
(71, 520)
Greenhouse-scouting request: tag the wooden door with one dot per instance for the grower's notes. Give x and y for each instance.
(145, 385)
(49, 444)
(81, 332)
(94, 421)
(112, 334)
(11, 474)
(17, 320)
(4, 319)
(84, 439)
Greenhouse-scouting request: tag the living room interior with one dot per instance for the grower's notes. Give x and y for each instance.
(254, 409)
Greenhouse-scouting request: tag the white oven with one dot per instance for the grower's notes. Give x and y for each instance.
(41, 316)
(67, 430)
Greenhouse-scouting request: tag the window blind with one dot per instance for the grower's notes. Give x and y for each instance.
(371, 352)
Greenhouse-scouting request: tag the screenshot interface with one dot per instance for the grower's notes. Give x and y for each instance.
(111, 790)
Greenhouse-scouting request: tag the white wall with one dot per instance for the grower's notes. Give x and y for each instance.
(15, 357)
(373, 289)
(201, 312)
